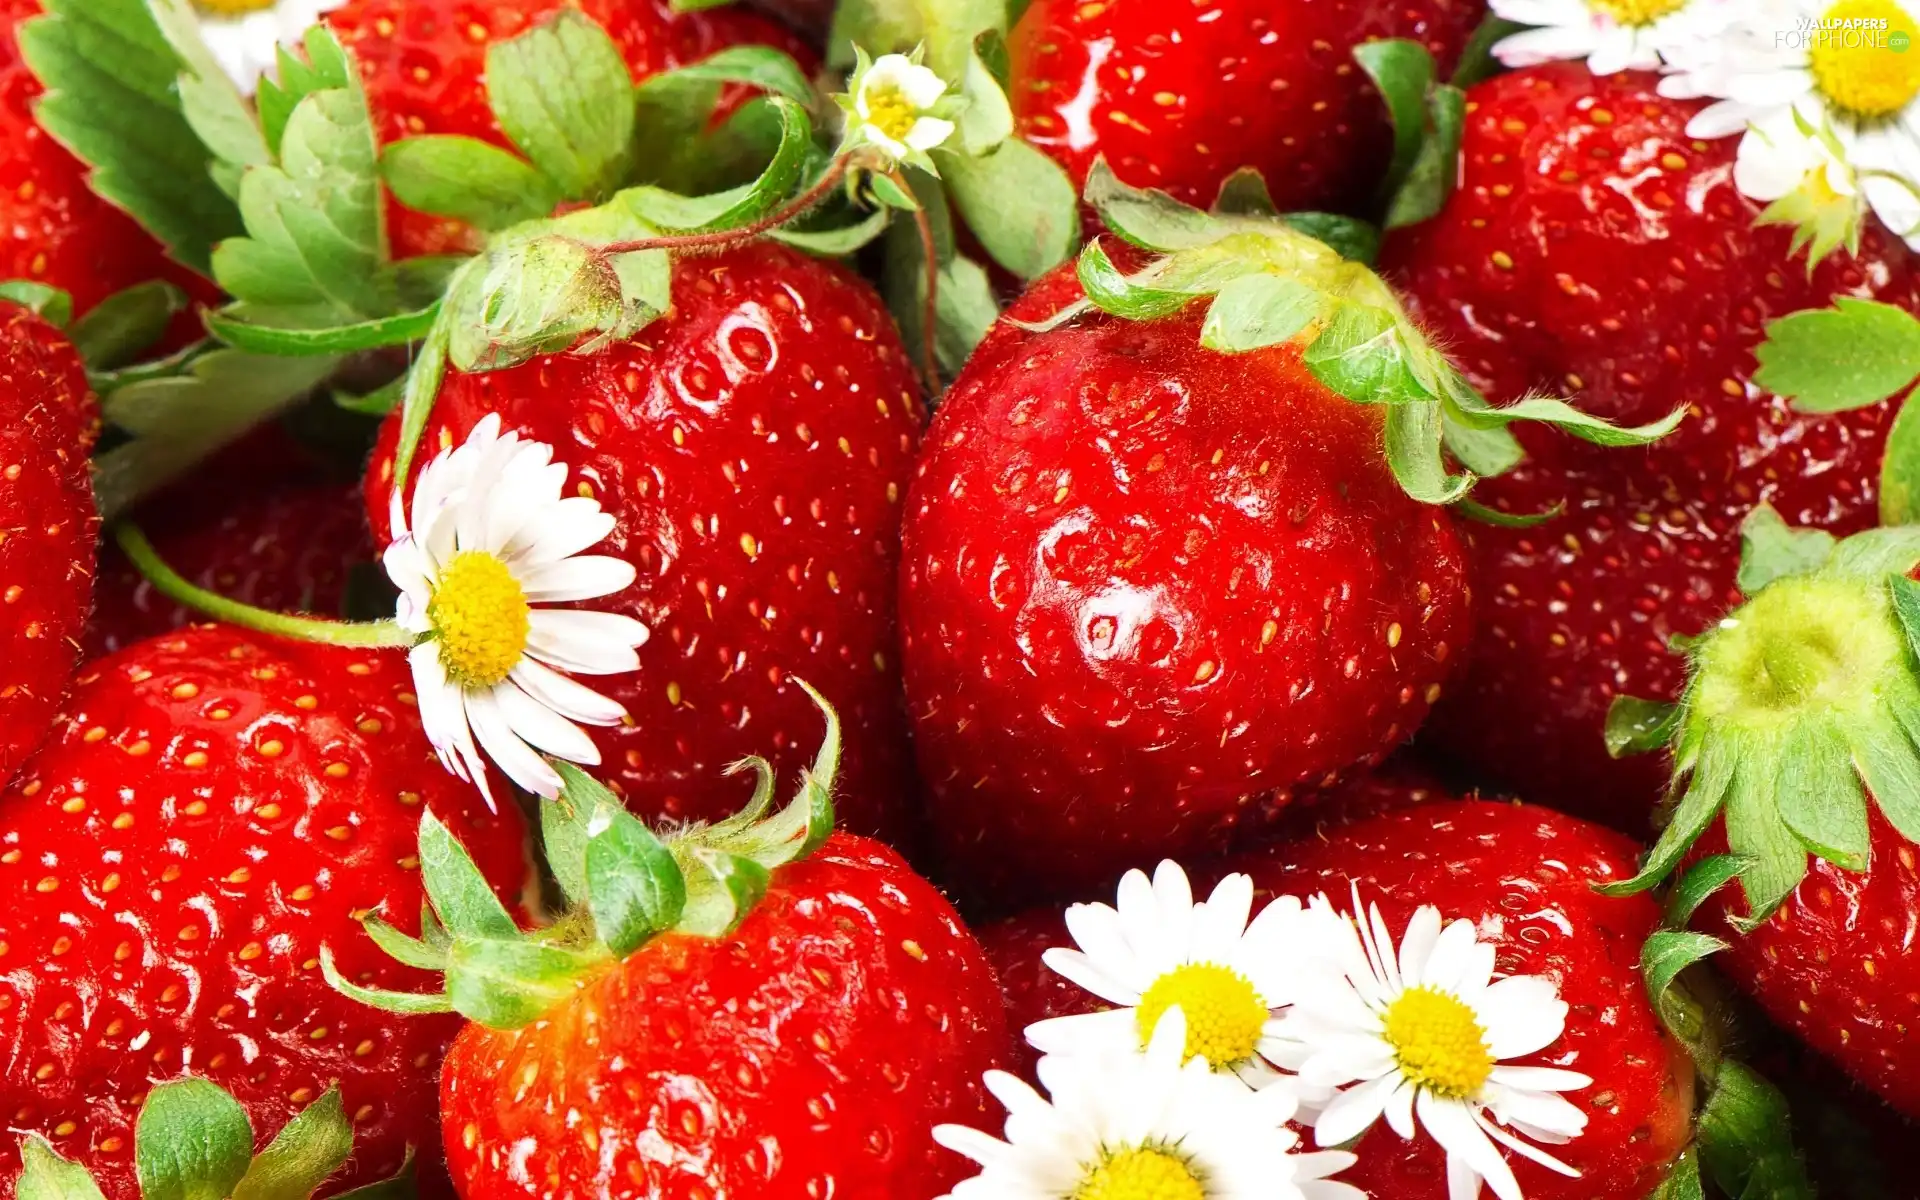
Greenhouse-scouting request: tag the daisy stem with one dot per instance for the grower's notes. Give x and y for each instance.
(930, 315)
(720, 238)
(174, 586)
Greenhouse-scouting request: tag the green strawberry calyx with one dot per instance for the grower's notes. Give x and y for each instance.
(1799, 706)
(193, 1139)
(624, 884)
(1271, 280)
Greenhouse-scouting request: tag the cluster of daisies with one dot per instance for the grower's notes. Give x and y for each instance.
(1824, 94)
(1228, 1035)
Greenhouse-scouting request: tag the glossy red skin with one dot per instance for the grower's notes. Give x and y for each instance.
(423, 63)
(286, 549)
(774, 402)
(53, 228)
(1180, 95)
(1647, 284)
(1105, 525)
(1524, 876)
(154, 918)
(807, 1054)
(48, 418)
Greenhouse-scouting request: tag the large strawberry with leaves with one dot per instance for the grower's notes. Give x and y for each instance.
(1594, 250)
(759, 1007)
(212, 810)
(1161, 569)
(1180, 96)
(48, 420)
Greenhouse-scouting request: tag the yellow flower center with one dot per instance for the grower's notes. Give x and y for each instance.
(481, 618)
(1863, 59)
(1141, 1174)
(232, 8)
(1637, 12)
(1438, 1043)
(889, 111)
(1224, 1014)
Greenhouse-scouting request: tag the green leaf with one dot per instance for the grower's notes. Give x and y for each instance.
(416, 400)
(1260, 310)
(563, 828)
(1403, 72)
(1682, 1181)
(1900, 469)
(1018, 202)
(209, 100)
(1755, 830)
(255, 338)
(1701, 881)
(1817, 793)
(947, 28)
(1112, 292)
(510, 984)
(120, 328)
(763, 67)
(192, 1141)
(987, 119)
(325, 67)
(722, 889)
(1477, 61)
(1770, 549)
(1355, 240)
(459, 891)
(1413, 453)
(44, 1175)
(1890, 765)
(1707, 790)
(311, 1147)
(634, 888)
(468, 180)
(563, 95)
(53, 305)
(1874, 554)
(1435, 171)
(1857, 353)
(1745, 1137)
(1636, 726)
(1668, 952)
(111, 99)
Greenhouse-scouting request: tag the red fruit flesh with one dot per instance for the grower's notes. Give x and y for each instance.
(807, 1054)
(754, 447)
(1149, 589)
(215, 808)
(1594, 250)
(1524, 876)
(1179, 96)
(48, 418)
(424, 66)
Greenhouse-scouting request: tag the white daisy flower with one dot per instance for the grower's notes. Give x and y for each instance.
(893, 102)
(243, 35)
(1824, 95)
(1160, 949)
(1611, 35)
(1425, 1033)
(490, 544)
(1127, 1123)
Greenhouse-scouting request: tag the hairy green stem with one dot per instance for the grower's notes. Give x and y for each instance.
(174, 586)
(721, 238)
(930, 314)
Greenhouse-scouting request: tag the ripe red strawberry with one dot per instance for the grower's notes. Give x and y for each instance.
(1179, 96)
(48, 419)
(1524, 875)
(1593, 250)
(424, 63)
(214, 807)
(761, 1007)
(754, 446)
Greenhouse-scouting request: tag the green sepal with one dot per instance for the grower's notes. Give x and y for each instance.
(965, 304)
(1477, 61)
(1403, 72)
(1757, 830)
(634, 886)
(1707, 784)
(1682, 1181)
(1681, 997)
(1818, 796)
(736, 206)
(1428, 120)
(405, 1003)
(1701, 881)
(564, 824)
(422, 385)
(1353, 239)
(192, 1141)
(1486, 452)
(468, 180)
(1900, 469)
(886, 190)
(1637, 726)
(1668, 952)
(256, 338)
(508, 984)
(1770, 549)
(119, 329)
(549, 294)
(1111, 291)
(1260, 310)
(1822, 219)
(303, 1155)
(1413, 452)
(51, 304)
(1436, 169)
(1473, 510)
(1857, 353)
(45, 1175)
(721, 890)
(1745, 1138)
(564, 97)
(415, 952)
(460, 893)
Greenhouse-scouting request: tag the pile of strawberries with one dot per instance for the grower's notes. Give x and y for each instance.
(1069, 600)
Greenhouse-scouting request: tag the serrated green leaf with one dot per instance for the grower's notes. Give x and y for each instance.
(398, 330)
(44, 1175)
(1701, 881)
(1890, 765)
(563, 95)
(468, 180)
(1745, 1137)
(191, 1141)
(119, 329)
(1817, 794)
(1435, 170)
(509, 984)
(1770, 549)
(459, 892)
(1259, 310)
(1756, 831)
(1900, 469)
(1857, 353)
(1353, 239)
(1402, 71)
(53, 305)
(308, 1149)
(1636, 726)
(209, 100)
(1707, 790)
(722, 889)
(634, 888)
(987, 119)
(1018, 202)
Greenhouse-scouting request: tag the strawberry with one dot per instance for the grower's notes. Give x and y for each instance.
(423, 63)
(1523, 876)
(1179, 96)
(753, 445)
(212, 809)
(760, 1007)
(48, 419)
(1160, 572)
(1592, 249)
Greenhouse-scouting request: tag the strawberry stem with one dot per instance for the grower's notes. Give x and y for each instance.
(930, 315)
(174, 586)
(721, 238)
